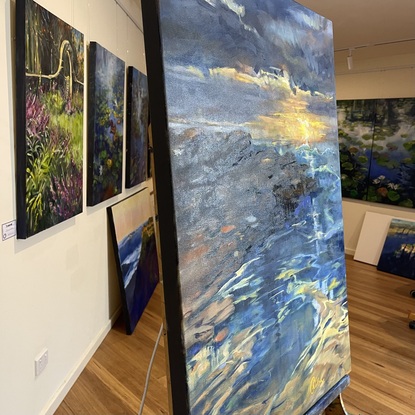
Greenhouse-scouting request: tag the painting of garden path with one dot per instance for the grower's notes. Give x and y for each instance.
(137, 126)
(134, 241)
(377, 150)
(50, 85)
(105, 124)
(252, 127)
(398, 253)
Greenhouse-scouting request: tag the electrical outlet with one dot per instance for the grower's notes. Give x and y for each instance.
(41, 362)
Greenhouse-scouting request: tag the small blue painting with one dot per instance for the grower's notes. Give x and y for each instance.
(134, 241)
(137, 128)
(398, 253)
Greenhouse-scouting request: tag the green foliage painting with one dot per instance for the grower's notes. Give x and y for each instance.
(49, 115)
(377, 150)
(105, 124)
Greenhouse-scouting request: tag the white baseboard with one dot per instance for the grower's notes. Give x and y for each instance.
(67, 384)
(349, 251)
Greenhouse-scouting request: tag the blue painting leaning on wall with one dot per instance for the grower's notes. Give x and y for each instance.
(398, 253)
(134, 241)
(252, 141)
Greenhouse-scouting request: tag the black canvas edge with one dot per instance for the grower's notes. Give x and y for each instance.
(164, 194)
(130, 77)
(90, 122)
(20, 121)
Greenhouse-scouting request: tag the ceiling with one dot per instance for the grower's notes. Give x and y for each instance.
(367, 22)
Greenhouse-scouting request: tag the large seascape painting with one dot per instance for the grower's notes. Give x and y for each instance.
(134, 241)
(398, 253)
(49, 119)
(377, 150)
(106, 75)
(137, 128)
(252, 139)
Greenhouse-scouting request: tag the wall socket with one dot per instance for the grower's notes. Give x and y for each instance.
(41, 362)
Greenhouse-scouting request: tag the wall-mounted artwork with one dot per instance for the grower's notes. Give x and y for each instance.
(137, 126)
(377, 150)
(105, 124)
(49, 119)
(246, 156)
(398, 254)
(134, 241)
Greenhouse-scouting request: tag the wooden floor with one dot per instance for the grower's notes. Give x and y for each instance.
(382, 345)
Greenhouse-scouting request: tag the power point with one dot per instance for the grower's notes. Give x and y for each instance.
(41, 362)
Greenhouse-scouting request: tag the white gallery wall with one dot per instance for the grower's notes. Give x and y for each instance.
(386, 71)
(59, 288)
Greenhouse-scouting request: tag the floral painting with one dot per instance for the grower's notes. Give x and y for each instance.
(105, 124)
(49, 114)
(398, 253)
(137, 126)
(377, 150)
(253, 199)
(134, 242)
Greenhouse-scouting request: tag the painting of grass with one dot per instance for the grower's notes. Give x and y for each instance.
(137, 126)
(398, 253)
(134, 241)
(49, 114)
(377, 150)
(106, 74)
(252, 236)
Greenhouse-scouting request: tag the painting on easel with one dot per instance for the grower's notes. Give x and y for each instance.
(247, 170)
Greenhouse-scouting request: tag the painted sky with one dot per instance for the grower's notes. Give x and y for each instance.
(251, 61)
(130, 213)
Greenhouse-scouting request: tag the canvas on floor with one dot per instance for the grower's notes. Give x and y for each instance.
(134, 241)
(398, 253)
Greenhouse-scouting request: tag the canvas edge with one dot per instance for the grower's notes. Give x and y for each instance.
(20, 121)
(90, 121)
(166, 218)
(130, 79)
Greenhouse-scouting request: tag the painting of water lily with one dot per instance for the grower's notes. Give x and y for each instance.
(137, 127)
(105, 124)
(49, 119)
(377, 150)
(249, 205)
(134, 242)
(398, 253)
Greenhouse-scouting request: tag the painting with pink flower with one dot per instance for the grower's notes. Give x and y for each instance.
(49, 119)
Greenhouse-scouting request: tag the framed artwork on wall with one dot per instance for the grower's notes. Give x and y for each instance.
(49, 119)
(106, 75)
(243, 118)
(134, 241)
(377, 150)
(137, 127)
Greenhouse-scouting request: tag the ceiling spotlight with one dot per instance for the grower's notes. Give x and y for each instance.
(350, 60)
